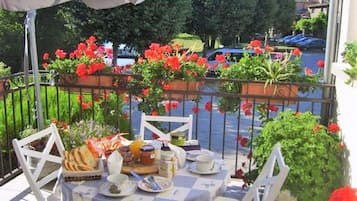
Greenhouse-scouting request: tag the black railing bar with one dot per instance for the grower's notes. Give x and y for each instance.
(58, 105)
(197, 117)
(224, 133)
(21, 109)
(210, 124)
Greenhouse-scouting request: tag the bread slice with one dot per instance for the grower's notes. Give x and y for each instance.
(72, 166)
(87, 157)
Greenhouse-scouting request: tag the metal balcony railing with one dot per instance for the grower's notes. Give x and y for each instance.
(225, 133)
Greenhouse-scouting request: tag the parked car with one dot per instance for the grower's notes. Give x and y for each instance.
(295, 41)
(292, 39)
(232, 55)
(312, 43)
(281, 40)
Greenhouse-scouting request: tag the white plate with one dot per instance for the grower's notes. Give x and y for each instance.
(191, 155)
(130, 189)
(165, 184)
(193, 169)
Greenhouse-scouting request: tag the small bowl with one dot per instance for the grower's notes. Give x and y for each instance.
(118, 179)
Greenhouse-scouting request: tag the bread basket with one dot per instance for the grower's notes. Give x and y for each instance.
(84, 175)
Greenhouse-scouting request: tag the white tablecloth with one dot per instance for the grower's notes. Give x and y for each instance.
(187, 187)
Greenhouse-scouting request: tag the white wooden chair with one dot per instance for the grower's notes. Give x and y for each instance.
(267, 186)
(186, 125)
(33, 175)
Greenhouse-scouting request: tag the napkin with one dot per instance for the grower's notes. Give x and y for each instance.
(180, 155)
(115, 162)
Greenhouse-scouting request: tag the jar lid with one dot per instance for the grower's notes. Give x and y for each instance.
(124, 148)
(147, 148)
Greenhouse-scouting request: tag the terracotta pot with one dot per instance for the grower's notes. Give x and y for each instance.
(69, 80)
(273, 90)
(180, 85)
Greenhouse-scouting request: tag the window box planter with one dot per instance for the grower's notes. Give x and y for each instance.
(277, 90)
(181, 85)
(91, 84)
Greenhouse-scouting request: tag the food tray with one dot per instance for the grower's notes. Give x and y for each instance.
(140, 168)
(84, 175)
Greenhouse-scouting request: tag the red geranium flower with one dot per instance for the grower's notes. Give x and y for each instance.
(208, 106)
(195, 110)
(220, 58)
(320, 63)
(345, 193)
(333, 127)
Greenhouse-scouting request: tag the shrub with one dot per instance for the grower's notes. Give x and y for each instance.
(312, 151)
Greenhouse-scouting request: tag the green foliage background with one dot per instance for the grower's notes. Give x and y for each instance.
(57, 104)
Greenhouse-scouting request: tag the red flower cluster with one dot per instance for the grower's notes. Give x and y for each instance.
(345, 193)
(86, 59)
(169, 56)
(333, 128)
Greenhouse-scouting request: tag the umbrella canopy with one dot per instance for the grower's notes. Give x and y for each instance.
(26, 5)
(30, 6)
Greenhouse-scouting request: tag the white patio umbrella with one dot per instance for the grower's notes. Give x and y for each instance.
(30, 7)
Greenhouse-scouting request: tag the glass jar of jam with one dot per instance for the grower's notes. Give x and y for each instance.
(126, 154)
(147, 154)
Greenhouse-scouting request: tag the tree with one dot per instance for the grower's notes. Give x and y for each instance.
(204, 21)
(319, 25)
(264, 17)
(52, 32)
(135, 25)
(285, 16)
(235, 17)
(11, 39)
(303, 25)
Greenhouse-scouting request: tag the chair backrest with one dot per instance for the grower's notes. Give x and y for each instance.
(186, 125)
(267, 186)
(25, 154)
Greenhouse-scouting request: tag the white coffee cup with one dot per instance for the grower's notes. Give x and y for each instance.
(119, 180)
(204, 163)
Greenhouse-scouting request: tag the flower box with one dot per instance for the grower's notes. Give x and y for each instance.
(180, 85)
(270, 90)
(88, 85)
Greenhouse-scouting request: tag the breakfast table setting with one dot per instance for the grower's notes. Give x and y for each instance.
(147, 171)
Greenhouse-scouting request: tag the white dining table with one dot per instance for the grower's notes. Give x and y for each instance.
(187, 186)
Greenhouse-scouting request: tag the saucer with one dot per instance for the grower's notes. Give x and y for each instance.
(193, 169)
(165, 184)
(128, 190)
(191, 155)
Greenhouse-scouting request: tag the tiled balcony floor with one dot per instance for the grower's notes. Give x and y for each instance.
(17, 190)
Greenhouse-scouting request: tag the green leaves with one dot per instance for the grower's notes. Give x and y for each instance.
(308, 149)
(350, 56)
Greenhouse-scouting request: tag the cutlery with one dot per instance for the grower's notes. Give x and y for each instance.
(153, 181)
(153, 186)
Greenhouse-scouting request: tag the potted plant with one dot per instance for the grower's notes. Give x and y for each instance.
(163, 68)
(84, 66)
(311, 150)
(4, 71)
(350, 56)
(78, 133)
(266, 72)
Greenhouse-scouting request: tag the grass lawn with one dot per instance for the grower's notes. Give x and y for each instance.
(192, 42)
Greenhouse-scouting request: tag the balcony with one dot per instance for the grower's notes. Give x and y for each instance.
(216, 130)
